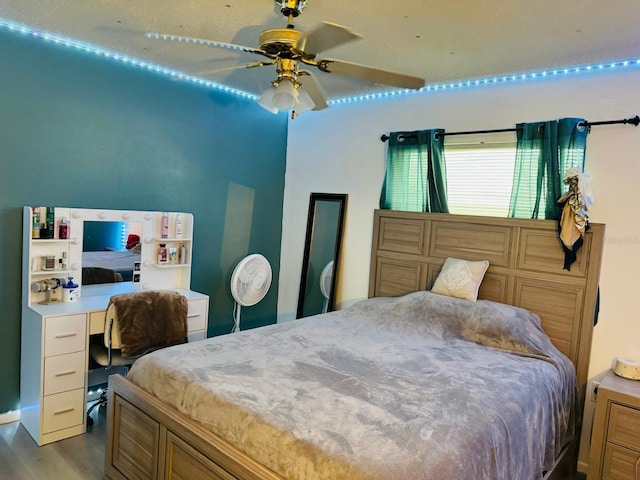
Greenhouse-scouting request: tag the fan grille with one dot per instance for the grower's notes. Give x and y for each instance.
(251, 280)
(326, 278)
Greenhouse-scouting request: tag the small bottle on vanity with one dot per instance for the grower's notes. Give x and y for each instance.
(164, 228)
(178, 232)
(162, 253)
(173, 255)
(43, 221)
(35, 222)
(51, 226)
(48, 262)
(63, 229)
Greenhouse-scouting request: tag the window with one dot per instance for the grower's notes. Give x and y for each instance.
(479, 176)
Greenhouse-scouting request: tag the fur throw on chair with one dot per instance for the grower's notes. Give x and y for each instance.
(149, 321)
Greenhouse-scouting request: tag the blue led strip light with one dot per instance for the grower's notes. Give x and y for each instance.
(120, 58)
(500, 79)
(496, 80)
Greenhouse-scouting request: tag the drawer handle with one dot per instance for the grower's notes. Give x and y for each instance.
(66, 372)
(193, 315)
(64, 410)
(65, 335)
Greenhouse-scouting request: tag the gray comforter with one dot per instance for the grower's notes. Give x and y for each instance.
(417, 387)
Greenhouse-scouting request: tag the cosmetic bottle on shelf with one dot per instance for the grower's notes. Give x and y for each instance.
(51, 224)
(164, 228)
(162, 253)
(35, 222)
(63, 229)
(179, 231)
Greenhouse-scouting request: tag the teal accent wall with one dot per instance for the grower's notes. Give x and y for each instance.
(77, 130)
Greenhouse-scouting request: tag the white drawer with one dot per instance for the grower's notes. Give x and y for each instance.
(65, 334)
(197, 314)
(63, 410)
(64, 372)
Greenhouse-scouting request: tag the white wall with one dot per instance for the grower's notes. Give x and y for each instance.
(338, 150)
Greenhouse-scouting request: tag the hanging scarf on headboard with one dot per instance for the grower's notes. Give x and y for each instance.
(574, 220)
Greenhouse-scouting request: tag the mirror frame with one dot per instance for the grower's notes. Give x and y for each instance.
(341, 198)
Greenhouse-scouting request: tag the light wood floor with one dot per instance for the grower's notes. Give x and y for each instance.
(77, 458)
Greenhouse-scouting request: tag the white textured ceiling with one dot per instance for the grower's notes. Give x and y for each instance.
(437, 40)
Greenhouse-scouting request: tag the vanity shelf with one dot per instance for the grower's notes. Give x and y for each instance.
(53, 273)
(52, 240)
(171, 240)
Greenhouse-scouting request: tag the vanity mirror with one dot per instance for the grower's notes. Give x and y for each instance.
(320, 264)
(95, 252)
(110, 250)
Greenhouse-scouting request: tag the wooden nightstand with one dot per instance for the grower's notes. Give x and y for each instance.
(615, 439)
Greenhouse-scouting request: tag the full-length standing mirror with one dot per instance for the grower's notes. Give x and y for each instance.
(320, 263)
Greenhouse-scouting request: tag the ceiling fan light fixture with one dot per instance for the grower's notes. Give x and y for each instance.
(266, 100)
(305, 103)
(285, 95)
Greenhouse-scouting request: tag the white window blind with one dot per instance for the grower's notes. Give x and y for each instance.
(479, 176)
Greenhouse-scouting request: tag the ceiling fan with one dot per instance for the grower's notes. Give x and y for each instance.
(290, 50)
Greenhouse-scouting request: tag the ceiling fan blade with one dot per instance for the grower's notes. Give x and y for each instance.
(209, 43)
(234, 67)
(324, 37)
(370, 74)
(311, 86)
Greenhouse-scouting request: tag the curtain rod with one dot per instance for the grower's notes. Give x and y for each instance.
(631, 121)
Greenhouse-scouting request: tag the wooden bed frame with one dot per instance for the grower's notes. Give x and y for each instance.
(149, 439)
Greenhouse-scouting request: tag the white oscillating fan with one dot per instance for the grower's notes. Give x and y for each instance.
(326, 278)
(250, 282)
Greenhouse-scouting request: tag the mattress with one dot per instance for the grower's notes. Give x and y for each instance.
(417, 387)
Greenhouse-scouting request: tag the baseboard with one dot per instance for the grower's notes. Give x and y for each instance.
(8, 417)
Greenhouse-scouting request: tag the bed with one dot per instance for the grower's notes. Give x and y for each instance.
(285, 396)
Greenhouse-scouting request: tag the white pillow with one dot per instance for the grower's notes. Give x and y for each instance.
(460, 278)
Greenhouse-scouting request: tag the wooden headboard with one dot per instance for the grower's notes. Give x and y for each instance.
(525, 268)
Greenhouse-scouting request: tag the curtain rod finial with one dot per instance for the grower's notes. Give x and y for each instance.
(384, 137)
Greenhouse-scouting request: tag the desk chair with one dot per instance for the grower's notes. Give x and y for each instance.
(107, 353)
(136, 324)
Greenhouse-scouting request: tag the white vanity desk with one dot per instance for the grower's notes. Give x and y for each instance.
(54, 375)
(95, 298)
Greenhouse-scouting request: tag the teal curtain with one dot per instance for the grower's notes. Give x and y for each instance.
(544, 152)
(416, 177)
